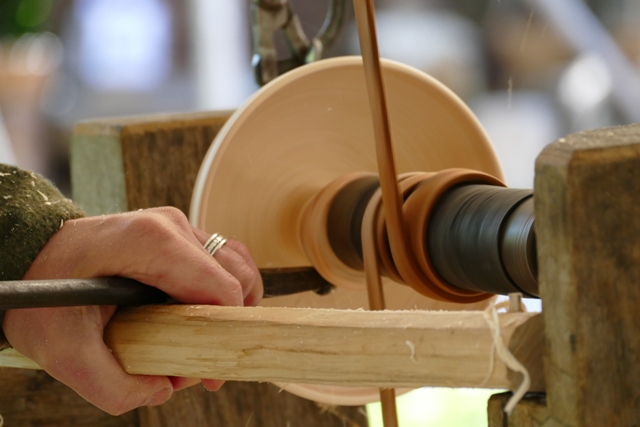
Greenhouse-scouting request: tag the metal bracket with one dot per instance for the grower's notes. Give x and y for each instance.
(270, 16)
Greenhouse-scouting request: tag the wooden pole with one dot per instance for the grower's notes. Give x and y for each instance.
(350, 348)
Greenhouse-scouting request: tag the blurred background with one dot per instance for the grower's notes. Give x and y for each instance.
(531, 70)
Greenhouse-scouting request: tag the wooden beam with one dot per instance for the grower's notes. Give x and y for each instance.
(587, 198)
(349, 348)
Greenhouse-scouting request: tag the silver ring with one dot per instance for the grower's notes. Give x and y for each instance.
(215, 242)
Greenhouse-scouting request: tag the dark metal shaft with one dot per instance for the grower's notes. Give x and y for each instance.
(122, 291)
(482, 238)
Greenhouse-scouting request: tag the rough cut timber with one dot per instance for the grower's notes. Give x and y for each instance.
(349, 348)
(124, 164)
(587, 198)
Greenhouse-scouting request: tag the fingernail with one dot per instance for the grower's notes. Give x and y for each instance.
(159, 397)
(212, 385)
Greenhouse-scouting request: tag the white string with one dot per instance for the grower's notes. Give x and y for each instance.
(492, 361)
(491, 367)
(1, 421)
(491, 316)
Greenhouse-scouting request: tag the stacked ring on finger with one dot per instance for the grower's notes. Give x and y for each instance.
(215, 242)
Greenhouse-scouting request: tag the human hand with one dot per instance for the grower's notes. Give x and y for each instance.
(157, 247)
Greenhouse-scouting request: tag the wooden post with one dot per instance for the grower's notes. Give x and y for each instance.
(119, 165)
(587, 197)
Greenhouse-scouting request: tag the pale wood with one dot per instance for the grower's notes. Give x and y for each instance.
(587, 198)
(350, 348)
(273, 157)
(12, 358)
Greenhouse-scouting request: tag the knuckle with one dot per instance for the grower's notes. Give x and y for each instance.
(173, 213)
(144, 224)
(150, 228)
(249, 276)
(234, 289)
(240, 248)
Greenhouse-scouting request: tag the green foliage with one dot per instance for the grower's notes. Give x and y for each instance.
(438, 407)
(23, 16)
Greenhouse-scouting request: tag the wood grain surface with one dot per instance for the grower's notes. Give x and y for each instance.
(124, 164)
(587, 199)
(350, 348)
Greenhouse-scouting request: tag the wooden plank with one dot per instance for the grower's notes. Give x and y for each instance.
(587, 197)
(124, 164)
(349, 348)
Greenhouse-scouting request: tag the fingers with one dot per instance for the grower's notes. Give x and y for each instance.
(213, 385)
(234, 258)
(180, 383)
(157, 247)
(178, 264)
(67, 343)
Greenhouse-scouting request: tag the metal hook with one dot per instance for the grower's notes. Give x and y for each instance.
(269, 16)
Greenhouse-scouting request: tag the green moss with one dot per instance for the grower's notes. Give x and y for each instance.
(18, 17)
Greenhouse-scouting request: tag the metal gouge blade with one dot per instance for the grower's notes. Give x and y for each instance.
(122, 291)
